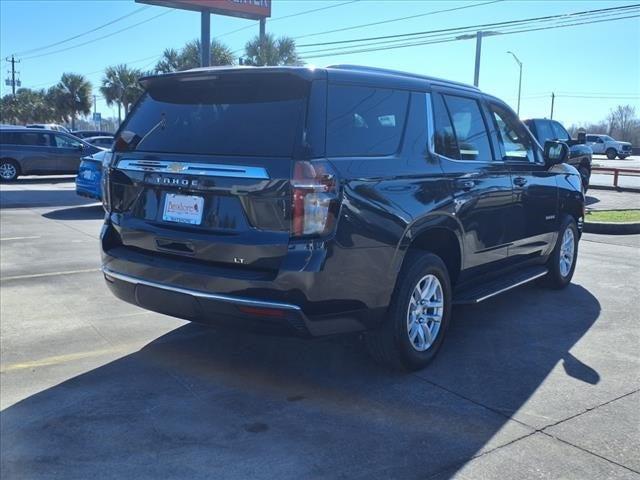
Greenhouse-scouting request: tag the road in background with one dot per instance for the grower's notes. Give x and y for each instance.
(533, 384)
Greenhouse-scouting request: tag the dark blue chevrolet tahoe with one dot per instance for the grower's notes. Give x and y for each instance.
(332, 200)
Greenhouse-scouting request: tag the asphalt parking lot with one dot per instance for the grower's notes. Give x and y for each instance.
(533, 384)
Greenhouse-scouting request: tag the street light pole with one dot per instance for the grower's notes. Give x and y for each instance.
(519, 80)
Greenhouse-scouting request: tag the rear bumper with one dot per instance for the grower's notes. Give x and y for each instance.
(209, 308)
(313, 294)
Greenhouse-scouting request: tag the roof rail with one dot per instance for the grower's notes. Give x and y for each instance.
(388, 71)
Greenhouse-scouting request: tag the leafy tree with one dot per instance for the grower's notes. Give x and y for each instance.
(120, 86)
(28, 106)
(189, 57)
(271, 51)
(71, 96)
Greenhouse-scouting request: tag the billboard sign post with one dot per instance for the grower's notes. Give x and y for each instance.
(251, 9)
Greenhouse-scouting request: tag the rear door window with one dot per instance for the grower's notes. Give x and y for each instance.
(469, 128)
(444, 141)
(365, 121)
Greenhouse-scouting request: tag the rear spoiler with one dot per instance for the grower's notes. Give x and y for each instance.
(213, 73)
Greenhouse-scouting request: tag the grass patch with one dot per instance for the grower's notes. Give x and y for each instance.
(613, 216)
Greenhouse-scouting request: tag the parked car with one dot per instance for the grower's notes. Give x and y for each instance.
(49, 126)
(89, 178)
(91, 133)
(332, 200)
(33, 151)
(102, 141)
(580, 155)
(604, 144)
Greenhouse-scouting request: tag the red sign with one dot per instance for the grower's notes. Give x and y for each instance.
(253, 9)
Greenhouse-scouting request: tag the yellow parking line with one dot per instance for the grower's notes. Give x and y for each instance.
(6, 239)
(69, 357)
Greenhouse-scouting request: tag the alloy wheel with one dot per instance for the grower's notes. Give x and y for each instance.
(425, 311)
(567, 249)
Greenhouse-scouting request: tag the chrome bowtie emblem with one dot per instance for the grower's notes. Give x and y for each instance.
(177, 167)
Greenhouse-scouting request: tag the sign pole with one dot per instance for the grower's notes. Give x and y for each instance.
(205, 39)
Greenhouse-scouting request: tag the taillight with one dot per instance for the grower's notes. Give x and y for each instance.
(315, 198)
(104, 183)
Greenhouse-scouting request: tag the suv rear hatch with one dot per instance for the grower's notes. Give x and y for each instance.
(202, 166)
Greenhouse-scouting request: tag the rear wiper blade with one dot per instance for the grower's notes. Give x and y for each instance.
(161, 124)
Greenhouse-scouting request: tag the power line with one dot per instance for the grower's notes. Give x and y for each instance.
(480, 26)
(99, 38)
(271, 20)
(45, 47)
(382, 22)
(462, 32)
(367, 48)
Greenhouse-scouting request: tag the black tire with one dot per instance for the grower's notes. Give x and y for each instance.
(622, 157)
(611, 153)
(555, 278)
(390, 344)
(8, 165)
(584, 175)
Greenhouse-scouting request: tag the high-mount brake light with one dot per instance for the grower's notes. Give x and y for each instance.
(315, 198)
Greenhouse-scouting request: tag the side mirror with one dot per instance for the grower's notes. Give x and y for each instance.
(80, 147)
(555, 152)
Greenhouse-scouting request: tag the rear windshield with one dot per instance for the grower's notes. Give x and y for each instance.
(259, 116)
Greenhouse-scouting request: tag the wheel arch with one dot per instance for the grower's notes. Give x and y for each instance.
(439, 234)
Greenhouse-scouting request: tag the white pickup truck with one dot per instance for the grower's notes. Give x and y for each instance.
(605, 145)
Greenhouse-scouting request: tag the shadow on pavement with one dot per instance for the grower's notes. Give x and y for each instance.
(590, 200)
(200, 403)
(85, 212)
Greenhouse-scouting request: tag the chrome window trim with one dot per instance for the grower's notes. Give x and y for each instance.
(197, 293)
(189, 168)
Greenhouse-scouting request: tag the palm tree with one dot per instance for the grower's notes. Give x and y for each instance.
(271, 51)
(72, 96)
(120, 86)
(189, 57)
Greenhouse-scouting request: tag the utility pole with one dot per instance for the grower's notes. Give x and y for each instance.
(478, 36)
(476, 73)
(553, 99)
(205, 38)
(13, 82)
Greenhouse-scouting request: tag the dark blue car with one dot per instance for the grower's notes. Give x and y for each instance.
(89, 178)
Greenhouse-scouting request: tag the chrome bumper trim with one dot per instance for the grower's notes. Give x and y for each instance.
(197, 293)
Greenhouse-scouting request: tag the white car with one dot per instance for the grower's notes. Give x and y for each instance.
(605, 145)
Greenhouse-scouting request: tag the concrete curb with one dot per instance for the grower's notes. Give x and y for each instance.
(612, 228)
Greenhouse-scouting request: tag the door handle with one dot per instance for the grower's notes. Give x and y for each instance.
(465, 184)
(520, 181)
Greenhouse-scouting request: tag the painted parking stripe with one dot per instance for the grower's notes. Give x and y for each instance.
(6, 239)
(52, 274)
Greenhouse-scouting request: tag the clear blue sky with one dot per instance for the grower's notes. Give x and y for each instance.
(600, 60)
